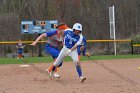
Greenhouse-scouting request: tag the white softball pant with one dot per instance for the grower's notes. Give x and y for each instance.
(62, 55)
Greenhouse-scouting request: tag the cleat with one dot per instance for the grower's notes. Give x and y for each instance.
(82, 79)
(56, 75)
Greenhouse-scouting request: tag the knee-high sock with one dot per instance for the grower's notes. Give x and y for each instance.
(60, 64)
(50, 68)
(53, 68)
(78, 57)
(56, 69)
(79, 71)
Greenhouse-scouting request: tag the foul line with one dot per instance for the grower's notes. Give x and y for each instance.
(117, 74)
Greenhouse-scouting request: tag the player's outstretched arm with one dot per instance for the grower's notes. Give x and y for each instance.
(39, 38)
(70, 50)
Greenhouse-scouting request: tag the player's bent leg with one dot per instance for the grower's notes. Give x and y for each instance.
(54, 53)
(59, 60)
(78, 68)
(79, 71)
(74, 56)
(56, 75)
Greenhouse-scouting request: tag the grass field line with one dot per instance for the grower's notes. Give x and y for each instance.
(67, 59)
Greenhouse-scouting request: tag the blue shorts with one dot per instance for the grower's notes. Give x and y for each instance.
(79, 51)
(20, 51)
(53, 51)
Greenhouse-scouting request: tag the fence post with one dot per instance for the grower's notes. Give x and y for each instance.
(108, 49)
(40, 49)
(132, 47)
(32, 51)
(5, 50)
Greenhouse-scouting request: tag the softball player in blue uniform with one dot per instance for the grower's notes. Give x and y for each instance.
(72, 38)
(20, 47)
(54, 40)
(82, 48)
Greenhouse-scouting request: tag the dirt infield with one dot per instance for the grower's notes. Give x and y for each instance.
(103, 76)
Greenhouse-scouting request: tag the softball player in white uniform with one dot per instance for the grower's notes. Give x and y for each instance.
(72, 38)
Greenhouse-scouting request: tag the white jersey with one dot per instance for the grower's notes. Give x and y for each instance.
(53, 38)
(20, 45)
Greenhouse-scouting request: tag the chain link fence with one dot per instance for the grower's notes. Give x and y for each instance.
(95, 47)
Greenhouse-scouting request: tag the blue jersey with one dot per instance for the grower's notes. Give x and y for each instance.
(70, 39)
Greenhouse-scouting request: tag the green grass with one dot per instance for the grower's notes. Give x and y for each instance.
(49, 59)
(28, 60)
(109, 57)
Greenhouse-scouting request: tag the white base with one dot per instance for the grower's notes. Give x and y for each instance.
(24, 65)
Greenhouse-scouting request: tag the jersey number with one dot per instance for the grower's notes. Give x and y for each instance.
(70, 42)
